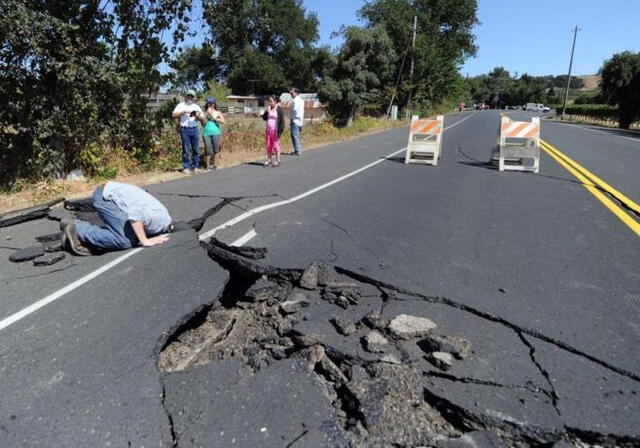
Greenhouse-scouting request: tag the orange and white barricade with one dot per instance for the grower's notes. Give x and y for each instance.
(425, 140)
(518, 146)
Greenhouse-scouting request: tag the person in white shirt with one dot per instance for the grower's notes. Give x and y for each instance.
(189, 114)
(297, 120)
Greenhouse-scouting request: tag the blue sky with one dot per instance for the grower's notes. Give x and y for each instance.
(527, 36)
(531, 36)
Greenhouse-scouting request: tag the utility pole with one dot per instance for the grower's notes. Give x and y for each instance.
(566, 91)
(413, 51)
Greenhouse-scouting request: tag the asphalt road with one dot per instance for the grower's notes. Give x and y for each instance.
(539, 275)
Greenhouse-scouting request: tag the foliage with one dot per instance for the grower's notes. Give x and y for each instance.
(76, 71)
(444, 39)
(593, 98)
(268, 41)
(195, 67)
(621, 85)
(219, 91)
(598, 111)
(364, 65)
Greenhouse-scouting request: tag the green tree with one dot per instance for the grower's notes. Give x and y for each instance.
(73, 70)
(195, 67)
(552, 96)
(364, 65)
(444, 40)
(269, 41)
(621, 85)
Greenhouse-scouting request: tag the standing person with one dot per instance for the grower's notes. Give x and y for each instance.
(212, 133)
(461, 107)
(275, 127)
(132, 216)
(297, 120)
(189, 114)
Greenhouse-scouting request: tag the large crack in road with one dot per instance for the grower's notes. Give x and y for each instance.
(321, 341)
(377, 371)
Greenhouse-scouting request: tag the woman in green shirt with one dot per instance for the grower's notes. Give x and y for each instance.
(212, 133)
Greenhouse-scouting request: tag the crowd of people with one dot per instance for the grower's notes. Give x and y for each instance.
(191, 117)
(133, 217)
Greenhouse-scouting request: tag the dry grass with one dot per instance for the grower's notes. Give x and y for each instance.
(591, 82)
(314, 137)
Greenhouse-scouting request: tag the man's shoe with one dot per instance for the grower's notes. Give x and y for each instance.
(186, 171)
(70, 238)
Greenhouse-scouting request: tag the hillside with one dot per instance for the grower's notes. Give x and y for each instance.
(591, 82)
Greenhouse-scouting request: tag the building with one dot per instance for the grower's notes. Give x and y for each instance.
(255, 105)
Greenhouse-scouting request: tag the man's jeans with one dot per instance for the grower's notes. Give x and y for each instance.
(190, 141)
(295, 137)
(116, 236)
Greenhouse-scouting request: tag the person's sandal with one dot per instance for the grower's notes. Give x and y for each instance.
(70, 237)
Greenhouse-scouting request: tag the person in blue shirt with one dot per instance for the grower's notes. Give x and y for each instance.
(132, 216)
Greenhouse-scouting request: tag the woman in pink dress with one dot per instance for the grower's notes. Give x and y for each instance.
(274, 117)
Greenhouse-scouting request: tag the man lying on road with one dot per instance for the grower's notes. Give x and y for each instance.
(132, 216)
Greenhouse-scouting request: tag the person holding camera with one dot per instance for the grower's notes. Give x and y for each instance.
(190, 114)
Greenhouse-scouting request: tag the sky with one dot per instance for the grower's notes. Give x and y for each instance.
(531, 36)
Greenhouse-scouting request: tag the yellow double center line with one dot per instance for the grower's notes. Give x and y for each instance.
(596, 186)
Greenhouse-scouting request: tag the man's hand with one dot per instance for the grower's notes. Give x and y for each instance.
(138, 228)
(156, 240)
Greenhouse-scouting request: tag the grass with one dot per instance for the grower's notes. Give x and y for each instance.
(243, 141)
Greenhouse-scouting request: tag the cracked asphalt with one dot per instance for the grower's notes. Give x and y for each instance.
(537, 275)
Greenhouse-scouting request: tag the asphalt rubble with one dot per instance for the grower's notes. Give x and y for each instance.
(323, 356)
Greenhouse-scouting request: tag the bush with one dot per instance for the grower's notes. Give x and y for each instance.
(597, 111)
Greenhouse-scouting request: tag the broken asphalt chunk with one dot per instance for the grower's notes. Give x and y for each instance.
(80, 205)
(458, 347)
(50, 237)
(263, 290)
(27, 254)
(309, 279)
(374, 320)
(441, 360)
(343, 326)
(48, 259)
(405, 326)
(375, 342)
(325, 274)
(293, 306)
(27, 214)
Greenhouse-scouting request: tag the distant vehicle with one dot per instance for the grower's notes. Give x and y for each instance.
(546, 109)
(536, 107)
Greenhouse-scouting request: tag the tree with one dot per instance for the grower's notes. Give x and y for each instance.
(552, 96)
(364, 65)
(269, 41)
(195, 67)
(621, 85)
(80, 69)
(444, 39)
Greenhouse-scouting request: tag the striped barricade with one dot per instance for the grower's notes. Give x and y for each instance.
(425, 140)
(518, 145)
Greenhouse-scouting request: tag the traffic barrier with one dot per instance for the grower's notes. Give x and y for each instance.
(425, 140)
(518, 145)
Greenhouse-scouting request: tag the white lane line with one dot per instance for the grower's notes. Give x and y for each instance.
(244, 239)
(255, 211)
(6, 322)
